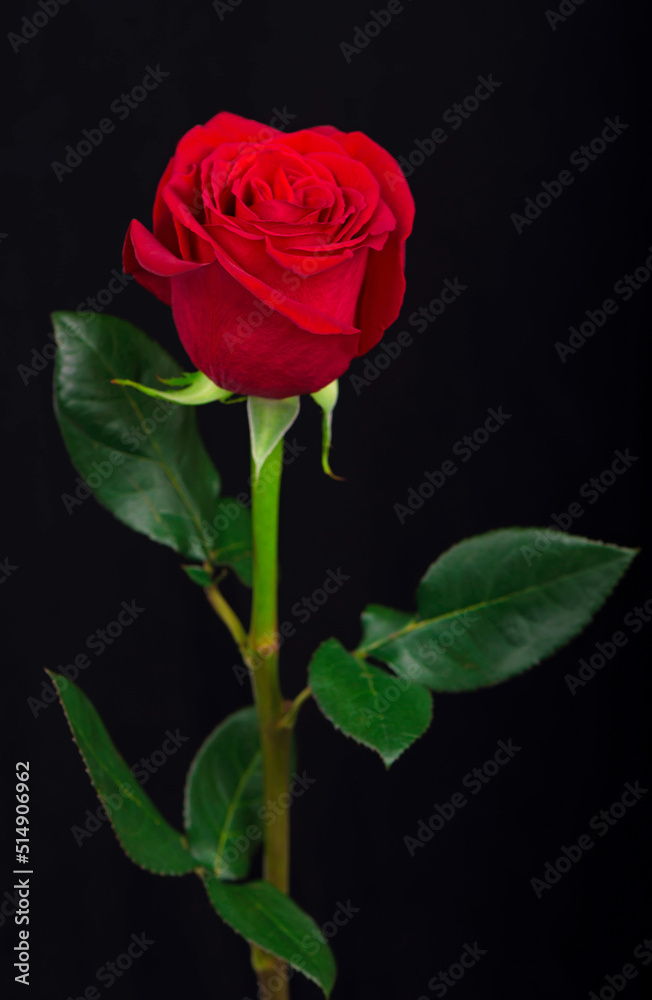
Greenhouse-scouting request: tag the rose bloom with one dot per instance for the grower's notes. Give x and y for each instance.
(282, 255)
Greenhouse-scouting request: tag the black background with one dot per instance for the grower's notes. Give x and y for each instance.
(173, 668)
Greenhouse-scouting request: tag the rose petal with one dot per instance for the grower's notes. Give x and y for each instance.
(227, 126)
(394, 189)
(248, 262)
(304, 264)
(384, 285)
(163, 227)
(323, 303)
(150, 262)
(282, 211)
(247, 347)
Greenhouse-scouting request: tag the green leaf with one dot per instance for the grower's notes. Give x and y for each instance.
(198, 575)
(378, 622)
(326, 398)
(144, 457)
(498, 603)
(384, 712)
(197, 389)
(224, 797)
(143, 833)
(234, 544)
(269, 420)
(267, 918)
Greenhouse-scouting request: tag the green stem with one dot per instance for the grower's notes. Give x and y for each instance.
(275, 741)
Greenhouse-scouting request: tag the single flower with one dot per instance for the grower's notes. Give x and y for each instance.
(281, 255)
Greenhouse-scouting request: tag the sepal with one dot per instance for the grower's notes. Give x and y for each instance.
(326, 398)
(269, 421)
(196, 390)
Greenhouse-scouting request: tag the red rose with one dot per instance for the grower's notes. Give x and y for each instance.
(281, 255)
